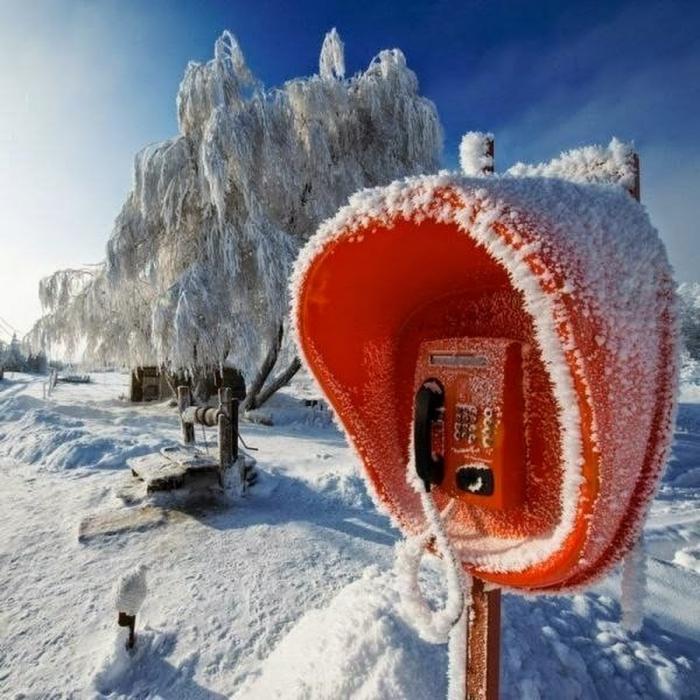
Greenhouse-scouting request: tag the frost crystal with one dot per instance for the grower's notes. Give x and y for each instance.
(331, 63)
(475, 156)
(634, 587)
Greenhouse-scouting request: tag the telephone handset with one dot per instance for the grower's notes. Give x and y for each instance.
(469, 420)
(429, 407)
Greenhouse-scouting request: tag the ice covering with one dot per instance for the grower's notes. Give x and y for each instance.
(576, 272)
(130, 590)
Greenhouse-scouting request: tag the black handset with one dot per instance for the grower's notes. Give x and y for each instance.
(428, 410)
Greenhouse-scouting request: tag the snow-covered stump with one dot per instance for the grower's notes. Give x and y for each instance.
(129, 594)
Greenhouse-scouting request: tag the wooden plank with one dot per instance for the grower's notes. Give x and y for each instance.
(163, 473)
(114, 522)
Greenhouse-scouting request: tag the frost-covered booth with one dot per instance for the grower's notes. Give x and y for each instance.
(572, 275)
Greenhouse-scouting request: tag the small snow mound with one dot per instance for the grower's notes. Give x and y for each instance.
(582, 651)
(138, 672)
(349, 490)
(358, 647)
(688, 558)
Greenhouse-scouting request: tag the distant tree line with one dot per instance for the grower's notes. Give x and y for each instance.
(13, 358)
(689, 295)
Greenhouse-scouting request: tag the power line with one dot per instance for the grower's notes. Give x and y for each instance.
(8, 328)
(8, 324)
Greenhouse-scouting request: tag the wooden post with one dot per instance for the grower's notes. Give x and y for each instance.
(136, 390)
(488, 170)
(225, 432)
(484, 627)
(124, 620)
(636, 190)
(234, 428)
(183, 402)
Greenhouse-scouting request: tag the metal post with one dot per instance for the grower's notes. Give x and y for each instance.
(484, 628)
(483, 643)
(183, 402)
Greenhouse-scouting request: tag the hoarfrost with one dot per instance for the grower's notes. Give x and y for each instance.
(594, 245)
(332, 60)
(448, 624)
(199, 258)
(475, 157)
(634, 587)
(130, 591)
(611, 164)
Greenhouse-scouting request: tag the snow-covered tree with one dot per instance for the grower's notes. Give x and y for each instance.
(199, 258)
(14, 359)
(689, 297)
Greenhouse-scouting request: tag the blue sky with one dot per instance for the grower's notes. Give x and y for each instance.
(84, 85)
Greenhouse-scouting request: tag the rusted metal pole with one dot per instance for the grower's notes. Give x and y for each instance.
(483, 643)
(183, 403)
(484, 627)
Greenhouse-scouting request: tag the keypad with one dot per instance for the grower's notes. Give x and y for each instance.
(475, 425)
(465, 423)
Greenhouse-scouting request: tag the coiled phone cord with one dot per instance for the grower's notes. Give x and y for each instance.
(448, 624)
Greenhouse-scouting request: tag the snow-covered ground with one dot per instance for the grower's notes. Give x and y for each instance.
(291, 592)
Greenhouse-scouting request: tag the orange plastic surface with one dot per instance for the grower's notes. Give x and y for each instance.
(367, 303)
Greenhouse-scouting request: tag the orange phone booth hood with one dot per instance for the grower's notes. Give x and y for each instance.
(570, 282)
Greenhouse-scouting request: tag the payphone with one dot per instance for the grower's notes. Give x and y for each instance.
(464, 330)
(469, 420)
